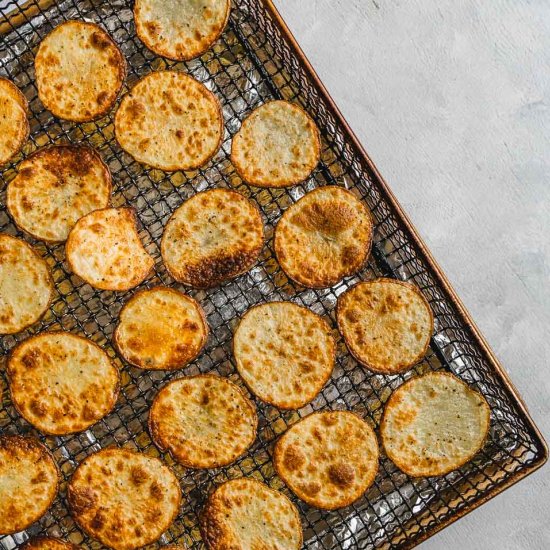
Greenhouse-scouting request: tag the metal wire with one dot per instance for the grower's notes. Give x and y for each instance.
(250, 64)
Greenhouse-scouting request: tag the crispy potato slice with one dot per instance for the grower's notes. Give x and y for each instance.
(105, 250)
(244, 514)
(28, 482)
(170, 121)
(62, 383)
(180, 29)
(205, 421)
(49, 543)
(214, 236)
(324, 237)
(161, 329)
(14, 124)
(79, 71)
(278, 145)
(55, 187)
(434, 424)
(284, 352)
(26, 286)
(328, 459)
(123, 498)
(387, 324)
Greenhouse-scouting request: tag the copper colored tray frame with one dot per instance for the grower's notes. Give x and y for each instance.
(257, 59)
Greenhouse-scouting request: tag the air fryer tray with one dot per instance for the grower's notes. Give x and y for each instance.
(255, 60)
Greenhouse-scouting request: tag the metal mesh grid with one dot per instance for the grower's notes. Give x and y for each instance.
(250, 64)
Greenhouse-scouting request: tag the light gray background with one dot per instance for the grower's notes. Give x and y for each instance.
(451, 98)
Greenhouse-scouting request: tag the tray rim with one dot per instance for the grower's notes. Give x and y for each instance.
(21, 16)
(439, 275)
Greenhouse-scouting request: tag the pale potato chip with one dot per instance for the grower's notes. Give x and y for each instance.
(278, 145)
(434, 424)
(324, 237)
(161, 329)
(387, 324)
(79, 71)
(123, 498)
(26, 286)
(55, 187)
(214, 236)
(105, 250)
(170, 121)
(14, 124)
(205, 421)
(244, 514)
(61, 383)
(284, 353)
(49, 543)
(328, 459)
(28, 482)
(180, 29)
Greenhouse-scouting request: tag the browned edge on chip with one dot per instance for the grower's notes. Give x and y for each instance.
(22, 13)
(349, 273)
(333, 356)
(50, 280)
(288, 182)
(68, 248)
(73, 506)
(220, 118)
(25, 106)
(204, 513)
(419, 357)
(407, 382)
(277, 460)
(153, 425)
(121, 66)
(440, 278)
(241, 272)
(25, 442)
(162, 51)
(32, 543)
(206, 328)
(20, 95)
(53, 333)
(42, 150)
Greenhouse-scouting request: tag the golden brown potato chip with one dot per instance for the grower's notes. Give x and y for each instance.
(28, 482)
(49, 543)
(62, 383)
(105, 250)
(55, 187)
(328, 459)
(79, 71)
(244, 514)
(14, 125)
(324, 237)
(214, 236)
(387, 324)
(26, 286)
(434, 424)
(170, 121)
(205, 421)
(278, 145)
(284, 352)
(123, 498)
(161, 329)
(180, 29)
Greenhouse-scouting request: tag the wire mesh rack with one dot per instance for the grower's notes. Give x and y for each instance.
(254, 60)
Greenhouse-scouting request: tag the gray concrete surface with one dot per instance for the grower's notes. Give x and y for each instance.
(452, 100)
